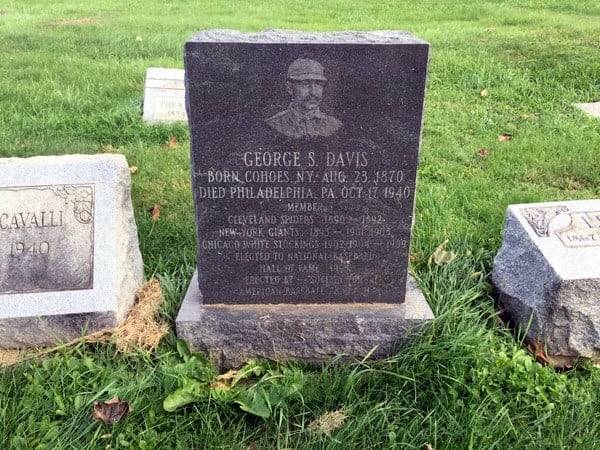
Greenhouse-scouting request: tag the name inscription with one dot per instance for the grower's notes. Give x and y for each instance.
(46, 238)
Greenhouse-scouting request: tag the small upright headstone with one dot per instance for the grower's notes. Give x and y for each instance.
(304, 157)
(69, 254)
(164, 96)
(547, 275)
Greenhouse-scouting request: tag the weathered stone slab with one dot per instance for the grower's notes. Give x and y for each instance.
(591, 109)
(547, 275)
(314, 333)
(164, 96)
(304, 158)
(69, 253)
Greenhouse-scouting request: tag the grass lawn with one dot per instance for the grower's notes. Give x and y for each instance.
(72, 76)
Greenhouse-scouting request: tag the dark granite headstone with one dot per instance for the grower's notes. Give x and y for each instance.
(304, 157)
(292, 209)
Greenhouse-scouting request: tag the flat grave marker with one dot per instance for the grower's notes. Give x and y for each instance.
(547, 275)
(69, 254)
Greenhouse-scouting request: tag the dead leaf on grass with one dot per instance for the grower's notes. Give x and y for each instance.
(527, 116)
(171, 144)
(505, 137)
(414, 257)
(441, 255)
(484, 93)
(483, 153)
(227, 375)
(537, 349)
(428, 446)
(133, 170)
(155, 212)
(328, 422)
(111, 411)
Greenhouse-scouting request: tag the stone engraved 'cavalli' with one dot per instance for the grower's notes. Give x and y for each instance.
(48, 247)
(304, 164)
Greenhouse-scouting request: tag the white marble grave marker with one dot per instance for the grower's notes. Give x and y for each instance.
(164, 96)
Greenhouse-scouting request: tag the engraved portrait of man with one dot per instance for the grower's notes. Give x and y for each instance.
(303, 119)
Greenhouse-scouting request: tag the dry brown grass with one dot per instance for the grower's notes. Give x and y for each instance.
(142, 329)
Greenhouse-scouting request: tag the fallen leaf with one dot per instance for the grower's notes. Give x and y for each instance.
(428, 446)
(172, 143)
(111, 411)
(414, 257)
(227, 376)
(155, 212)
(109, 148)
(484, 93)
(328, 422)
(139, 38)
(505, 137)
(490, 30)
(527, 116)
(483, 153)
(537, 349)
(441, 255)
(4, 12)
(133, 169)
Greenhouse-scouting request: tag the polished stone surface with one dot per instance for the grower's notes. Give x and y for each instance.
(304, 159)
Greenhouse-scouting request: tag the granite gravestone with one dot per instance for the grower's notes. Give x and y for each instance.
(547, 275)
(304, 156)
(69, 254)
(164, 96)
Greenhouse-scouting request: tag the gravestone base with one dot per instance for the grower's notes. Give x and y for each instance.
(233, 334)
(44, 331)
(547, 277)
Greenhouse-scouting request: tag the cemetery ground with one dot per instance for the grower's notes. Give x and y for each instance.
(499, 129)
